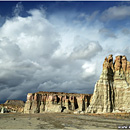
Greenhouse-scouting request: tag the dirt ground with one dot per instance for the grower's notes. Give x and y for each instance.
(63, 121)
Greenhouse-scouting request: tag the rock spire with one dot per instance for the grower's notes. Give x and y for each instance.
(112, 90)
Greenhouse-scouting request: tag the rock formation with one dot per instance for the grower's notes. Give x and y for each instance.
(111, 93)
(15, 102)
(112, 90)
(12, 106)
(56, 102)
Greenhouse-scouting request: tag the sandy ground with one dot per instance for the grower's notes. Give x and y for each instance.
(62, 121)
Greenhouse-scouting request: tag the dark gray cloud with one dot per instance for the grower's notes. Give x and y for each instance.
(126, 31)
(89, 18)
(107, 33)
(31, 59)
(116, 13)
(86, 51)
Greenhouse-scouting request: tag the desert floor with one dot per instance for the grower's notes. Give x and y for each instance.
(63, 121)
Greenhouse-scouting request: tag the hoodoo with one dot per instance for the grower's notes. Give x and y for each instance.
(111, 93)
(112, 90)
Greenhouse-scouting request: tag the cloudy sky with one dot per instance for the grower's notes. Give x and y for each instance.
(59, 46)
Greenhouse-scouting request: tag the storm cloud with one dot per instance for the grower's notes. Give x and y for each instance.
(28, 60)
(41, 53)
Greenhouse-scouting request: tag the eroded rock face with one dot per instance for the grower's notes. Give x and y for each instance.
(112, 90)
(56, 102)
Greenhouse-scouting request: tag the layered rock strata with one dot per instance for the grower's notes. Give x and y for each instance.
(112, 90)
(56, 102)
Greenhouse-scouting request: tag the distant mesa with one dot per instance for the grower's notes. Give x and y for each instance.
(111, 93)
(15, 103)
(12, 106)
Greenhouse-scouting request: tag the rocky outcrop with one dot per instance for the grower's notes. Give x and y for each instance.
(12, 106)
(111, 93)
(112, 90)
(15, 102)
(56, 102)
